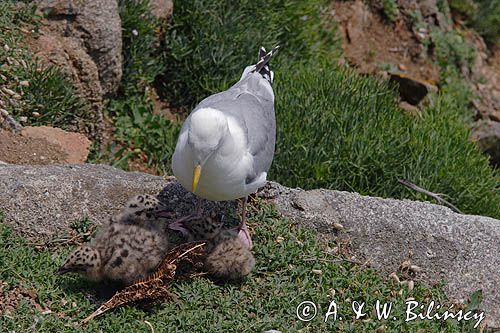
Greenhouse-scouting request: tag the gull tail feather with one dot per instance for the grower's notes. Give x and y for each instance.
(262, 66)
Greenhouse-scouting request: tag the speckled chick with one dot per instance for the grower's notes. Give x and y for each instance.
(125, 250)
(228, 258)
(141, 210)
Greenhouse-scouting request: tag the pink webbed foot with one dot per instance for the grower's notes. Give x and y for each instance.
(244, 236)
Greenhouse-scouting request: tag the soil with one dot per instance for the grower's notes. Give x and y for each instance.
(17, 149)
(369, 42)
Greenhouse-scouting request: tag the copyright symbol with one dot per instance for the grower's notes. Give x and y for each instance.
(306, 311)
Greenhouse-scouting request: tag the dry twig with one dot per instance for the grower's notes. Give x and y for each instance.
(436, 196)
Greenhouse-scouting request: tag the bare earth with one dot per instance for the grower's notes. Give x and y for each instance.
(17, 149)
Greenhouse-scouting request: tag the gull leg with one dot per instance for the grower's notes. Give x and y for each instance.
(243, 233)
(179, 224)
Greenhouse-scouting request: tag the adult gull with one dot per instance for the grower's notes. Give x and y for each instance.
(226, 145)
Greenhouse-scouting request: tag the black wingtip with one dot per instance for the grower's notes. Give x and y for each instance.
(264, 58)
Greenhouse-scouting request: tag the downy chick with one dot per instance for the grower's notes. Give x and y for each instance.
(121, 251)
(227, 256)
(141, 210)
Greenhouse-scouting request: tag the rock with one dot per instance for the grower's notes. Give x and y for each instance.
(17, 149)
(486, 134)
(84, 40)
(428, 7)
(97, 26)
(434, 242)
(459, 249)
(7, 122)
(68, 54)
(162, 9)
(41, 201)
(410, 109)
(410, 90)
(75, 145)
(495, 115)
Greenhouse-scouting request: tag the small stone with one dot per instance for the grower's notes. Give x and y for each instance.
(495, 116)
(317, 271)
(394, 277)
(35, 114)
(23, 119)
(338, 226)
(279, 239)
(411, 90)
(410, 109)
(9, 91)
(135, 32)
(402, 67)
(415, 268)
(6, 47)
(24, 83)
(411, 285)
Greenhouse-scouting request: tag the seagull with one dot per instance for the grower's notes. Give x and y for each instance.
(226, 145)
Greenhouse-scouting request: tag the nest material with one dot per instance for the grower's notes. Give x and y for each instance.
(183, 261)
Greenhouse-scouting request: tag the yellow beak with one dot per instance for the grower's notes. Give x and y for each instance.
(196, 178)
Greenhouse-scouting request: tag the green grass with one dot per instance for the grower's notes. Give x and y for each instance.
(482, 15)
(142, 58)
(209, 43)
(266, 300)
(390, 9)
(141, 133)
(49, 98)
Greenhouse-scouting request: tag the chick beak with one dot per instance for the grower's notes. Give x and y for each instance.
(196, 178)
(62, 270)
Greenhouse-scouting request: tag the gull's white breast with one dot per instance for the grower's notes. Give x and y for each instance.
(223, 176)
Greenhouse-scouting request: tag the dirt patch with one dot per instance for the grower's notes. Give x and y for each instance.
(17, 149)
(12, 296)
(370, 43)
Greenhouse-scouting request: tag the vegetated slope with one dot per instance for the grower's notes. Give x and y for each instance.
(337, 129)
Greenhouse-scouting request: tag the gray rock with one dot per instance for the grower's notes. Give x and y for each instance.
(162, 9)
(428, 7)
(410, 90)
(486, 134)
(459, 249)
(97, 25)
(40, 202)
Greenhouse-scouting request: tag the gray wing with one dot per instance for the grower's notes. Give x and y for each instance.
(256, 116)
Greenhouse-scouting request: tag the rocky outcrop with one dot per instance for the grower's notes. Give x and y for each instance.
(95, 26)
(461, 250)
(84, 40)
(486, 134)
(75, 146)
(40, 201)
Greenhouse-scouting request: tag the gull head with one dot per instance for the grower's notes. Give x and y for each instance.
(207, 128)
(246, 71)
(250, 69)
